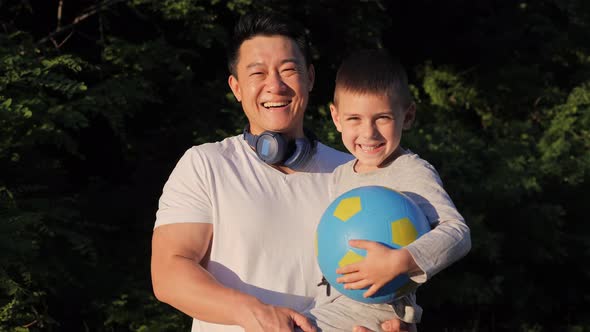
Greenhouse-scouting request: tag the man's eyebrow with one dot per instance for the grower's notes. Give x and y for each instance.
(290, 60)
(254, 64)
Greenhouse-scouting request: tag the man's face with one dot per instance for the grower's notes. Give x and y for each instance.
(273, 84)
(371, 127)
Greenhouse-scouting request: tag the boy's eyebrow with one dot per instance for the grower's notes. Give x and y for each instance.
(387, 112)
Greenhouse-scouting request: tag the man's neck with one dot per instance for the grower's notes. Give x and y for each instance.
(283, 169)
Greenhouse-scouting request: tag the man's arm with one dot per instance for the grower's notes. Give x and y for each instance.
(179, 280)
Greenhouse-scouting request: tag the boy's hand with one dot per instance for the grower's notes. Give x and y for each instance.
(381, 265)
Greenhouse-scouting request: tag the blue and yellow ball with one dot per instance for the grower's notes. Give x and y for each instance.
(372, 213)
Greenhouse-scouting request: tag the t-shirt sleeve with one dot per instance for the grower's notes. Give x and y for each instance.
(449, 239)
(185, 197)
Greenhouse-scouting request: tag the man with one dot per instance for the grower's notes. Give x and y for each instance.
(232, 246)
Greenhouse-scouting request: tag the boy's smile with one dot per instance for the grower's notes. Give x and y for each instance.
(371, 127)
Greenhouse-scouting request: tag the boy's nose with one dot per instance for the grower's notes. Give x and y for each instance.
(370, 131)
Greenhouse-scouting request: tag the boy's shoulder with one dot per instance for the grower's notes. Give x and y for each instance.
(412, 160)
(411, 166)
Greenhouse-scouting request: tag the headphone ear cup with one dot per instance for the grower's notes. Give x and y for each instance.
(271, 147)
(301, 155)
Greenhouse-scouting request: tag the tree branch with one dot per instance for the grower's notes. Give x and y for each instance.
(59, 8)
(92, 10)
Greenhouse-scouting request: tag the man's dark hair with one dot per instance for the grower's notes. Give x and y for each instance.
(252, 25)
(373, 72)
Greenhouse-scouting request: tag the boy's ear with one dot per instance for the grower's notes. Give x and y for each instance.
(335, 117)
(232, 81)
(410, 116)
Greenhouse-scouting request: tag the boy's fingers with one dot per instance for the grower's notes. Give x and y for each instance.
(372, 290)
(350, 268)
(361, 244)
(357, 285)
(347, 278)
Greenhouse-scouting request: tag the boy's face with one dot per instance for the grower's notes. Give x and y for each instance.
(371, 127)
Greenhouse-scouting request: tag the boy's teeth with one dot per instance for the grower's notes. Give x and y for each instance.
(368, 147)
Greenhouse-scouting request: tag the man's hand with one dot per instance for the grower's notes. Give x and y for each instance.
(271, 318)
(393, 325)
(381, 265)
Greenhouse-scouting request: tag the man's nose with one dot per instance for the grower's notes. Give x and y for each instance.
(275, 83)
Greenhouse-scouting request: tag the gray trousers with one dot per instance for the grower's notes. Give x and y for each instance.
(343, 313)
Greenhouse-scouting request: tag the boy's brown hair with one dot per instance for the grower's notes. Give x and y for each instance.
(373, 72)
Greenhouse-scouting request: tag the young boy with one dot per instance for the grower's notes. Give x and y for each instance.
(372, 106)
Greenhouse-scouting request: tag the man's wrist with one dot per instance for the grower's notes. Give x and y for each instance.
(246, 308)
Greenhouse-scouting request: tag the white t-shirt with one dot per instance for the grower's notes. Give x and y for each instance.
(263, 220)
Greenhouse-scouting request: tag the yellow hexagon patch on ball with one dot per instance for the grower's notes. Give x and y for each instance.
(347, 208)
(403, 232)
(349, 258)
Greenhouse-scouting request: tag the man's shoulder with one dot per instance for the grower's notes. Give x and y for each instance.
(209, 154)
(345, 167)
(223, 147)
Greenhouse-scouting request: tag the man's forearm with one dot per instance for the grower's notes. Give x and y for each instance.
(188, 287)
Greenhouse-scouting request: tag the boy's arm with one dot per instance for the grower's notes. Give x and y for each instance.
(445, 244)
(450, 238)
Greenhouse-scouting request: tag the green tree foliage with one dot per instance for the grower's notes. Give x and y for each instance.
(98, 99)
(37, 93)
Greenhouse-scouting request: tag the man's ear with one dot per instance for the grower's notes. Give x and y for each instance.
(409, 116)
(235, 87)
(335, 117)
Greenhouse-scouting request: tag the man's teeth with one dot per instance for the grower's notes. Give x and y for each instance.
(275, 104)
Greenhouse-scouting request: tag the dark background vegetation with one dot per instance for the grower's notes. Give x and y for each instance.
(98, 101)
